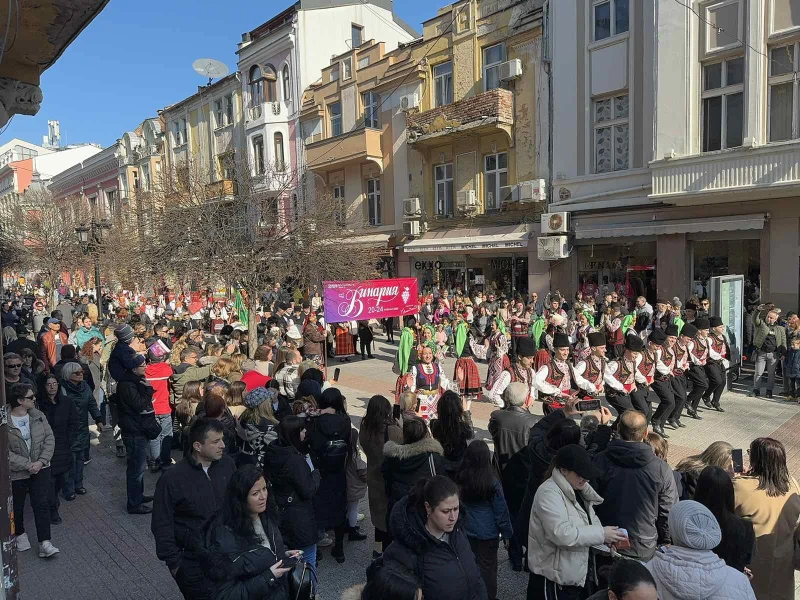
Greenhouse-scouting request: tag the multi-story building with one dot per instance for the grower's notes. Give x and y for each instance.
(280, 58)
(18, 149)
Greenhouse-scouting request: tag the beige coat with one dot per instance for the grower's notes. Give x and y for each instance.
(560, 532)
(774, 521)
(43, 444)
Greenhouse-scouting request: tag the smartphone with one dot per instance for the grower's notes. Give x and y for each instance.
(587, 405)
(738, 461)
(289, 562)
(336, 373)
(624, 544)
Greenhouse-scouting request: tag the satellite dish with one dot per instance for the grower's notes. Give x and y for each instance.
(210, 67)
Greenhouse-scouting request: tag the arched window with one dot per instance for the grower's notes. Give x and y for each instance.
(271, 81)
(286, 92)
(256, 86)
(280, 163)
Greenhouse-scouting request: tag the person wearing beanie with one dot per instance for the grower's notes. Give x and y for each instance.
(689, 569)
(553, 380)
(622, 376)
(257, 427)
(124, 355)
(698, 357)
(718, 362)
(662, 380)
(510, 430)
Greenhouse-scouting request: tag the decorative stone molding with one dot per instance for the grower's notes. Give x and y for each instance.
(18, 97)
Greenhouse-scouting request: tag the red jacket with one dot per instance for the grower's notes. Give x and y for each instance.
(157, 375)
(253, 379)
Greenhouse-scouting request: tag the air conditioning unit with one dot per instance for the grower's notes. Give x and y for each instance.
(510, 69)
(411, 207)
(532, 191)
(552, 247)
(557, 222)
(507, 194)
(409, 101)
(411, 228)
(466, 200)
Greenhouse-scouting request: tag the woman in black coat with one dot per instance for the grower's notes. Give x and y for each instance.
(430, 545)
(451, 430)
(63, 419)
(294, 484)
(244, 550)
(329, 445)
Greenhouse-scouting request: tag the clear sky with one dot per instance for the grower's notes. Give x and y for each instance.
(136, 57)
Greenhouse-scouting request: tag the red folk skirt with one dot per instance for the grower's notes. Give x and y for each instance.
(470, 385)
(344, 343)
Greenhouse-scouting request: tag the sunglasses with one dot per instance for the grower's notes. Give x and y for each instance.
(18, 366)
(29, 398)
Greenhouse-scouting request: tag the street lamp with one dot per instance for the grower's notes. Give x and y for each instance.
(90, 237)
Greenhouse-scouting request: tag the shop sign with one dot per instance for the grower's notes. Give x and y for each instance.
(602, 265)
(475, 246)
(500, 264)
(373, 299)
(435, 265)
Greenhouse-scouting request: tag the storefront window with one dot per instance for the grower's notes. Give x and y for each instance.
(628, 269)
(725, 257)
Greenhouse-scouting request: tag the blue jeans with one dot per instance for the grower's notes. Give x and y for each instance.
(136, 450)
(310, 554)
(75, 479)
(161, 447)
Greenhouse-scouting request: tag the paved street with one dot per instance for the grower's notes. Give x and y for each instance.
(107, 553)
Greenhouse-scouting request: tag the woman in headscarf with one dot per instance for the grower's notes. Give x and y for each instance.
(497, 351)
(466, 371)
(406, 356)
(314, 340)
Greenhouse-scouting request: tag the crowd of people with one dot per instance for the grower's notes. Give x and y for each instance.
(273, 469)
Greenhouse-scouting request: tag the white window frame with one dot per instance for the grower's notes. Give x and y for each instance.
(287, 83)
(112, 202)
(497, 171)
(709, 18)
(340, 212)
(334, 120)
(259, 163)
(374, 201)
(278, 145)
(440, 177)
(219, 113)
(372, 102)
(612, 123)
(179, 132)
(724, 91)
(184, 131)
(347, 68)
(775, 80)
(440, 80)
(613, 18)
(256, 86)
(228, 109)
(145, 177)
(493, 66)
(353, 28)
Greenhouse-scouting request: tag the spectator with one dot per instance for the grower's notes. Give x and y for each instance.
(89, 359)
(63, 419)
(792, 369)
(563, 525)
(75, 388)
(384, 584)
(215, 406)
(69, 355)
(86, 332)
(688, 568)
(287, 377)
(235, 398)
(52, 342)
(428, 533)
(158, 375)
(715, 492)
(32, 367)
(641, 485)
(769, 497)
(245, 527)
(124, 355)
(660, 448)
(628, 580)
(257, 427)
(262, 372)
(12, 369)
(718, 454)
(769, 340)
(188, 370)
(452, 431)
(180, 510)
(377, 428)
(487, 519)
(30, 449)
(186, 406)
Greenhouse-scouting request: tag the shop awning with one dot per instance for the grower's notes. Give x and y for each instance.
(699, 225)
(440, 243)
(372, 239)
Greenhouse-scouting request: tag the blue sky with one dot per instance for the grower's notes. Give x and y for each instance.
(136, 57)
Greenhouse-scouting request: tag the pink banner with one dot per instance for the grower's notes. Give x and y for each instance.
(374, 299)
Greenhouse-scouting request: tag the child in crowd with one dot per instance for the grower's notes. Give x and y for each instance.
(792, 363)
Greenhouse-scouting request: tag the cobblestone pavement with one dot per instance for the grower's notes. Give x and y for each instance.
(106, 553)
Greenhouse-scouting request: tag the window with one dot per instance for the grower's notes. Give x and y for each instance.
(184, 134)
(271, 80)
(219, 113)
(443, 180)
(93, 205)
(363, 62)
(256, 86)
(112, 201)
(493, 57)
(347, 68)
(229, 109)
(374, 201)
(372, 104)
(287, 94)
(280, 163)
(179, 128)
(335, 73)
(258, 154)
(611, 140)
(146, 177)
(335, 110)
(783, 93)
(723, 104)
(295, 208)
(356, 35)
(443, 83)
(495, 176)
(340, 213)
(610, 18)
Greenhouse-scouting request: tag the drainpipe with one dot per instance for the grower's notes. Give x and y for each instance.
(547, 61)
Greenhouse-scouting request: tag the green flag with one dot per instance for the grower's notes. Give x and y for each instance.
(241, 309)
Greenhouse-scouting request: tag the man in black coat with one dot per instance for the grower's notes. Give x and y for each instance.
(187, 496)
(510, 429)
(63, 419)
(637, 487)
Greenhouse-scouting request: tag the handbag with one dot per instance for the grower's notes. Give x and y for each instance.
(301, 582)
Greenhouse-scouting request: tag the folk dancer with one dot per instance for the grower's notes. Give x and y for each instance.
(428, 381)
(406, 357)
(496, 351)
(662, 383)
(555, 308)
(698, 355)
(663, 316)
(520, 371)
(677, 345)
(466, 371)
(554, 380)
(589, 373)
(621, 375)
(717, 364)
(615, 336)
(581, 328)
(646, 375)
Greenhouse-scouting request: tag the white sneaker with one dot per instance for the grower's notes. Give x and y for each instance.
(46, 549)
(23, 543)
(361, 517)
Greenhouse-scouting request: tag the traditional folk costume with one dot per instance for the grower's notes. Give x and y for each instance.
(698, 356)
(621, 376)
(430, 343)
(466, 371)
(681, 365)
(716, 366)
(554, 380)
(429, 382)
(662, 383)
(581, 350)
(615, 335)
(497, 354)
(406, 357)
(516, 372)
(589, 373)
(647, 369)
(344, 341)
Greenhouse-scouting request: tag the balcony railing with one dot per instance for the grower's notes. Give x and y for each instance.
(361, 144)
(224, 188)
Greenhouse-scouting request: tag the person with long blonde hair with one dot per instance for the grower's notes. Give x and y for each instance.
(236, 398)
(717, 454)
(222, 369)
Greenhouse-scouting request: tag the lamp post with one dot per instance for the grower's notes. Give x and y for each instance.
(90, 237)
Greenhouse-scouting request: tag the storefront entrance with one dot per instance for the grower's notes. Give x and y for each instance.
(628, 269)
(725, 257)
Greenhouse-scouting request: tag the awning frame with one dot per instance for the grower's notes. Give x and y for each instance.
(672, 226)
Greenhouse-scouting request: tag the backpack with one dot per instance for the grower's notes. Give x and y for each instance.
(334, 456)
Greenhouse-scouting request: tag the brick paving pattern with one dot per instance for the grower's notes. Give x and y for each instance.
(106, 553)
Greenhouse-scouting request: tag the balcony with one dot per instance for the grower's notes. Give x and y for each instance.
(224, 188)
(729, 175)
(357, 146)
(483, 114)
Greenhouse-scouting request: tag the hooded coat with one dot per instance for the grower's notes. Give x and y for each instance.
(63, 419)
(330, 502)
(42, 444)
(85, 405)
(376, 488)
(446, 570)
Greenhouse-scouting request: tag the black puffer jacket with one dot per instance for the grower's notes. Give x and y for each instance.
(643, 491)
(63, 419)
(240, 569)
(330, 501)
(444, 570)
(293, 487)
(405, 464)
(134, 399)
